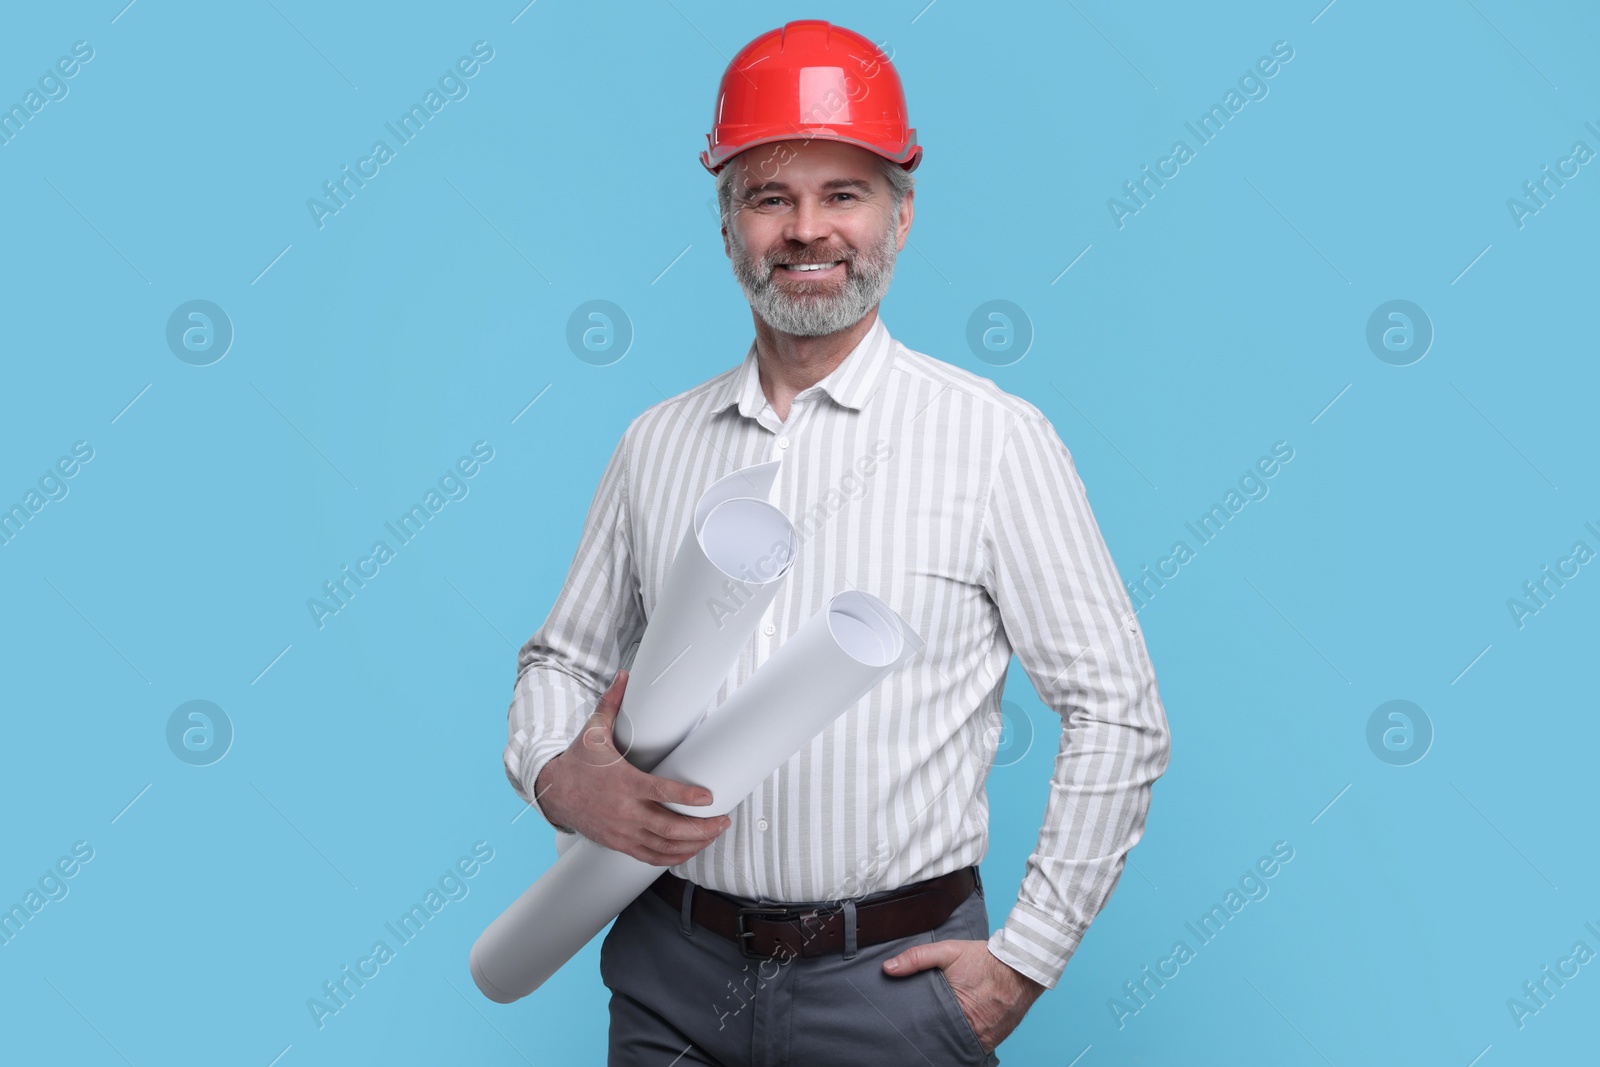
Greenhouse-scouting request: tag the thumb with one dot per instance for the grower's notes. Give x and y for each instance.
(603, 722)
(611, 700)
(921, 957)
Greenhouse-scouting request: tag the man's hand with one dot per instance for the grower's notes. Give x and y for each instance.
(592, 788)
(993, 995)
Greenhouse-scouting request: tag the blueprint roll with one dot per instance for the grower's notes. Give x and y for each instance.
(830, 664)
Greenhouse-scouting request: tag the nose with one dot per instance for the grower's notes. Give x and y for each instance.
(807, 223)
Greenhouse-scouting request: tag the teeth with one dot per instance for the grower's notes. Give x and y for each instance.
(809, 266)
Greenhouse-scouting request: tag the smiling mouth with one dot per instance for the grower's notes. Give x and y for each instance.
(809, 269)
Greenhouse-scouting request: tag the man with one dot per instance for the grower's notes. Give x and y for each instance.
(834, 916)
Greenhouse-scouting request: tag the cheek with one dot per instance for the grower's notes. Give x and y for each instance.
(756, 241)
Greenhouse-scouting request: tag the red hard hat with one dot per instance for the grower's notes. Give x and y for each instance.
(811, 80)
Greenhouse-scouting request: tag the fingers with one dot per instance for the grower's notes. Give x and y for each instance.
(666, 845)
(668, 852)
(657, 859)
(646, 846)
(643, 851)
(686, 828)
(667, 791)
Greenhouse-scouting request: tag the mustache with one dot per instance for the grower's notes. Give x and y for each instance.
(778, 259)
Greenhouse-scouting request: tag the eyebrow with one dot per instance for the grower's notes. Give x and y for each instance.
(857, 184)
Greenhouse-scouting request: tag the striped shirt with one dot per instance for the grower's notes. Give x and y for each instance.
(957, 504)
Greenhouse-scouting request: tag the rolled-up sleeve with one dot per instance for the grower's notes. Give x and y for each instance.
(570, 661)
(1068, 619)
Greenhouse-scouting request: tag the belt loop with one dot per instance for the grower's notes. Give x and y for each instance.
(977, 880)
(849, 928)
(687, 922)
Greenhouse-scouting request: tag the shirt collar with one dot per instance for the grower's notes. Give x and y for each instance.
(852, 383)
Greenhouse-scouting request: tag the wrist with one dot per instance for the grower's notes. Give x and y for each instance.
(1030, 988)
(545, 792)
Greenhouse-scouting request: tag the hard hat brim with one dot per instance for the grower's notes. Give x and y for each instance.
(908, 156)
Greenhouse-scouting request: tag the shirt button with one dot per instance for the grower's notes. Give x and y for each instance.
(769, 629)
(761, 824)
(783, 442)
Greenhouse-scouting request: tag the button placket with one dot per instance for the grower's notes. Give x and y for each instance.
(782, 445)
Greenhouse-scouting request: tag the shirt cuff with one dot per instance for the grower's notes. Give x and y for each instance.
(523, 772)
(1035, 944)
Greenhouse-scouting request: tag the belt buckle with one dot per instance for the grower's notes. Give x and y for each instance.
(744, 935)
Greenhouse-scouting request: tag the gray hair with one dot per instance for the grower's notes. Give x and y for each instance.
(899, 179)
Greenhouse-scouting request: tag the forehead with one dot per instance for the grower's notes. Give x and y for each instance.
(814, 164)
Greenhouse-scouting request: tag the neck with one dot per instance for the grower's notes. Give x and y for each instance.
(789, 364)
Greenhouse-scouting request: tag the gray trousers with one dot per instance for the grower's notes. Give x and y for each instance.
(682, 995)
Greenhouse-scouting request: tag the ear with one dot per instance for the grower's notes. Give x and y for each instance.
(903, 226)
(733, 208)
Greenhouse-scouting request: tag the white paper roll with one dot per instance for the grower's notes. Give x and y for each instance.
(830, 663)
(828, 666)
(728, 568)
(735, 553)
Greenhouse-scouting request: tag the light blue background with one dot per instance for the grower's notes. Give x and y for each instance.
(1225, 316)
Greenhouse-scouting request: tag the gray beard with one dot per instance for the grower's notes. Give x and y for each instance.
(867, 276)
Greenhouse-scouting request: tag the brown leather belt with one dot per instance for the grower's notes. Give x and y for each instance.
(770, 931)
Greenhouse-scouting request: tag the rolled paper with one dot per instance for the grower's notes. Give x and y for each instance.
(736, 552)
(728, 568)
(831, 663)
